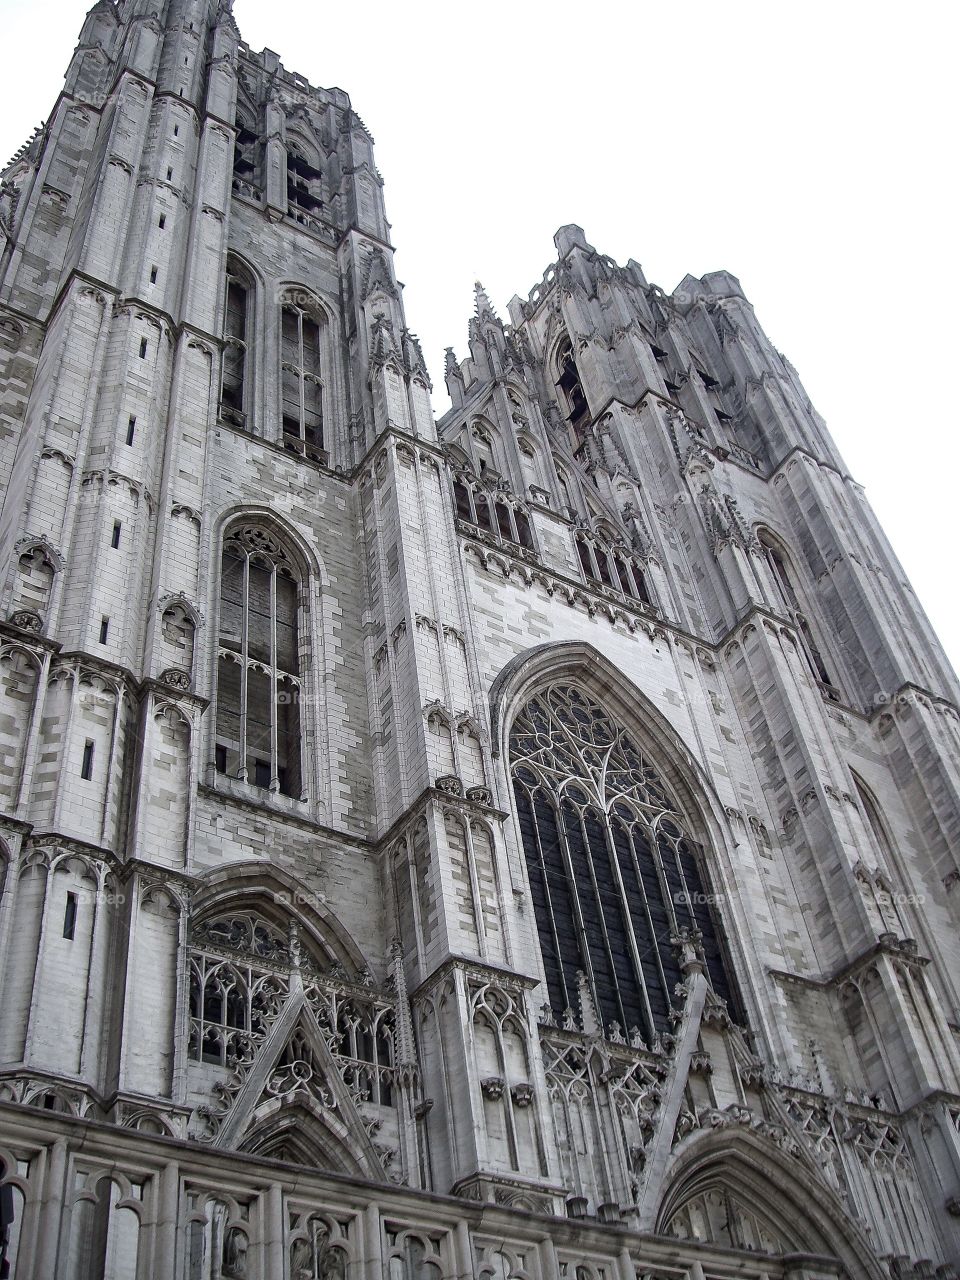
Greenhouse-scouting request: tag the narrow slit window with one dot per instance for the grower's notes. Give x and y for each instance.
(86, 765)
(143, 348)
(70, 917)
(131, 429)
(163, 221)
(104, 629)
(153, 275)
(115, 536)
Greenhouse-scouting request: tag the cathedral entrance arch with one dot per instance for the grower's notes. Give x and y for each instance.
(735, 1188)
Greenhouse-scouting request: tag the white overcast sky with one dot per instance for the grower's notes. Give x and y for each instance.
(809, 149)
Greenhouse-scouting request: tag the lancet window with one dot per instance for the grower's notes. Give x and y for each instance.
(493, 511)
(783, 577)
(246, 157)
(302, 382)
(571, 390)
(258, 680)
(613, 567)
(614, 876)
(233, 385)
(303, 184)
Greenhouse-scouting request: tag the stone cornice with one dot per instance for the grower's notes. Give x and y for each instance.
(887, 945)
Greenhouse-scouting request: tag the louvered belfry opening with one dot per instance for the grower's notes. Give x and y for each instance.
(613, 874)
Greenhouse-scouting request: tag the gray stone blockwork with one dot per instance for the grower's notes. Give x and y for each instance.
(280, 948)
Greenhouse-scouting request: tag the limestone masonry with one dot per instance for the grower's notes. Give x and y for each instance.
(522, 846)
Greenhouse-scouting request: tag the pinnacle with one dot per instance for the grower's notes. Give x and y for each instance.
(482, 302)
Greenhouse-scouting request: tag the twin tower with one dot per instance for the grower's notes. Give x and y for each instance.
(521, 847)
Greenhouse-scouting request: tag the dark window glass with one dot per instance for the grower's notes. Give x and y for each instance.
(613, 877)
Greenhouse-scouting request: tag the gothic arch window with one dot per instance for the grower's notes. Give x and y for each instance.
(246, 159)
(304, 181)
(258, 672)
(500, 515)
(239, 965)
(785, 582)
(572, 396)
(612, 566)
(301, 356)
(614, 875)
(238, 298)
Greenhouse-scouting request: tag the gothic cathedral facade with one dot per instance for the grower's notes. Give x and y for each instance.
(522, 846)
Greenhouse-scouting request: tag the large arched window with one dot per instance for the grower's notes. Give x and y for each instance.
(302, 382)
(613, 874)
(258, 680)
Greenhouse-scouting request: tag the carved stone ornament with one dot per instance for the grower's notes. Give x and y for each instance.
(176, 678)
(450, 783)
(27, 620)
(522, 1094)
(493, 1088)
(479, 795)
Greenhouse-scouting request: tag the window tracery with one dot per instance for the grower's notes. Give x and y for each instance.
(572, 395)
(246, 159)
(501, 516)
(258, 681)
(612, 566)
(301, 382)
(240, 966)
(321, 1253)
(614, 877)
(303, 184)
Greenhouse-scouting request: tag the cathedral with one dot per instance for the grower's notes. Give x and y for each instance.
(519, 846)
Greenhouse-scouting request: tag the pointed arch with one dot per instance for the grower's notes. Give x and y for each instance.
(615, 847)
(281, 900)
(263, 626)
(791, 1200)
(793, 597)
(296, 1072)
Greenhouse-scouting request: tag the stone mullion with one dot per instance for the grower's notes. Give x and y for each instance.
(274, 712)
(244, 666)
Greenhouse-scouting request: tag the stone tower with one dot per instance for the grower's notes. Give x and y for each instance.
(521, 847)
